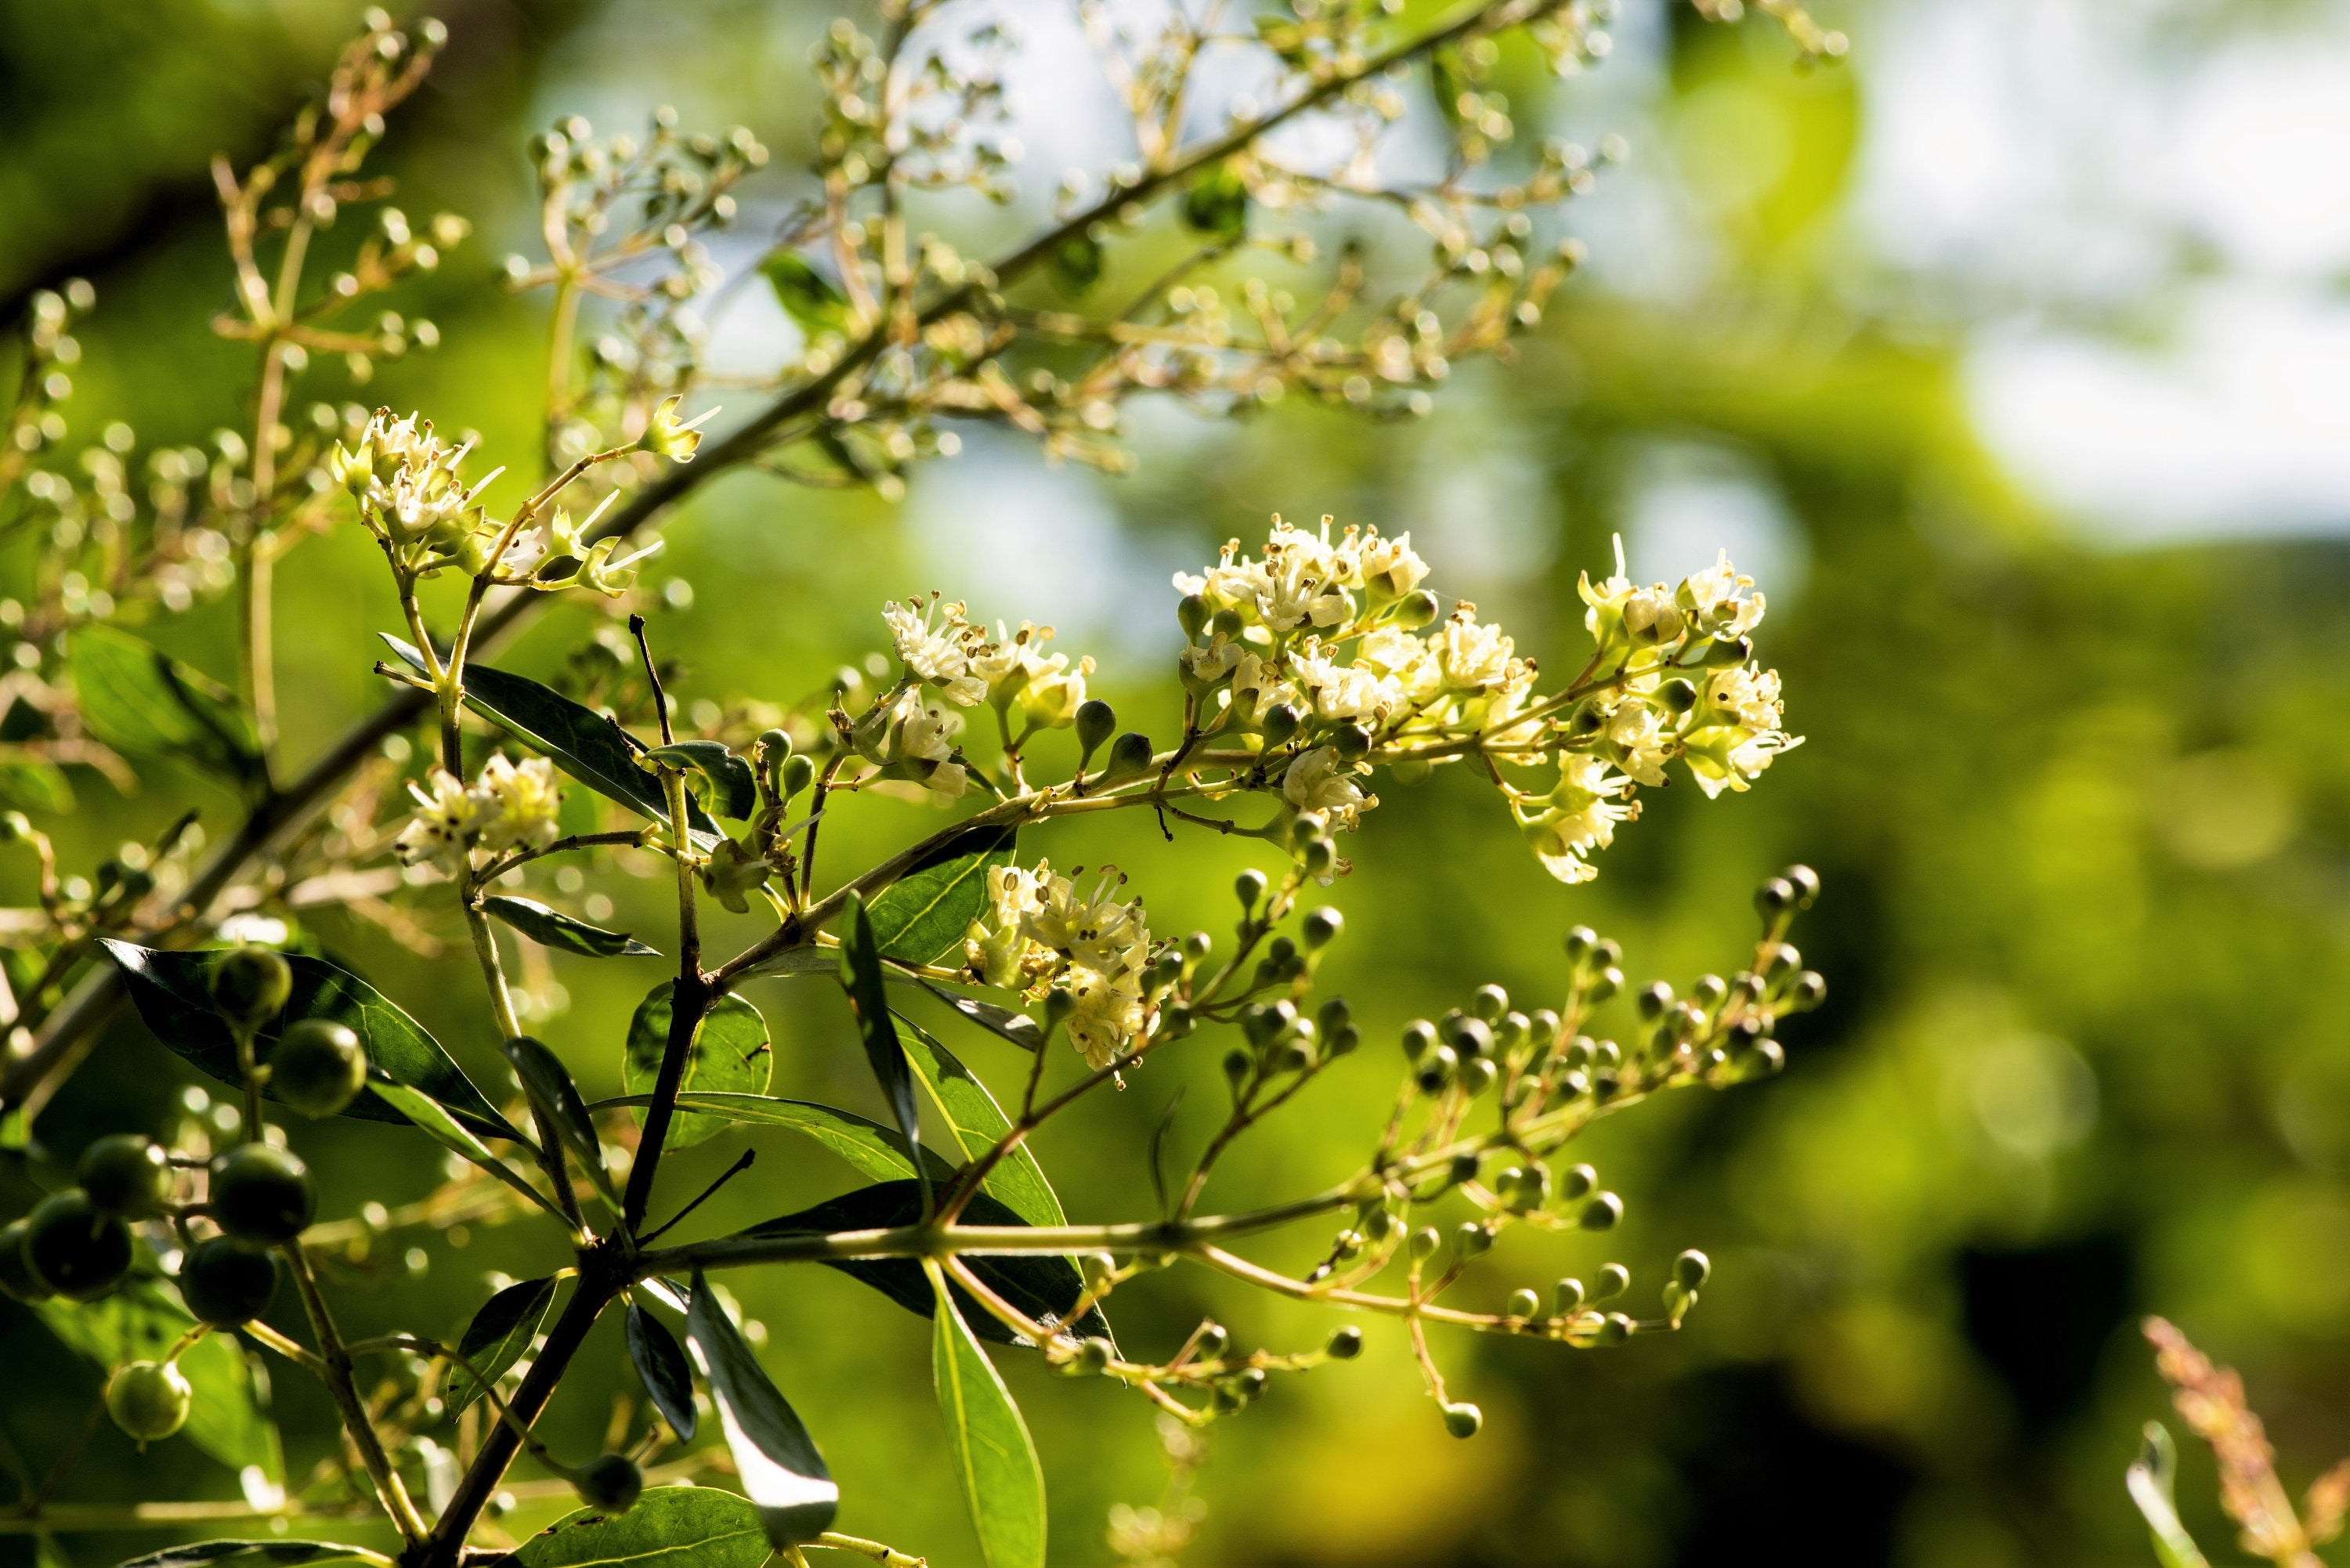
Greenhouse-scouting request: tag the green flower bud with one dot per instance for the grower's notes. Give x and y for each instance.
(1606, 984)
(1227, 624)
(1191, 614)
(1615, 1329)
(1776, 899)
(1346, 1344)
(1424, 1242)
(1541, 1027)
(1416, 609)
(1602, 1213)
(250, 985)
(1471, 1038)
(16, 827)
(1724, 651)
(1522, 1304)
(1320, 856)
(1472, 1239)
(1251, 1384)
(795, 775)
(1463, 1419)
(1462, 1169)
(1806, 883)
(1352, 741)
(1477, 1074)
(1320, 926)
(1249, 886)
(1129, 758)
(1678, 695)
(1308, 827)
(1213, 1340)
(1095, 1354)
(1095, 720)
(610, 1482)
(1690, 1269)
(1279, 725)
(1237, 1064)
(126, 1176)
(1380, 1226)
(1783, 961)
(150, 1400)
(1653, 1000)
(1295, 1057)
(1613, 1280)
(1575, 1180)
(1418, 1038)
(1579, 942)
(1510, 1031)
(1197, 946)
(1342, 1039)
(1489, 1002)
(1436, 1069)
(1566, 1297)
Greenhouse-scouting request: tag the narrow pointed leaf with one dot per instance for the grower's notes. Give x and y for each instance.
(733, 789)
(995, 1460)
(730, 1054)
(776, 1459)
(583, 742)
(2150, 1481)
(662, 1366)
(874, 1151)
(254, 1554)
(173, 992)
(976, 1124)
(452, 1134)
(499, 1336)
(1017, 1027)
(670, 1527)
(548, 1082)
(920, 918)
(861, 977)
(138, 698)
(552, 928)
(1046, 1287)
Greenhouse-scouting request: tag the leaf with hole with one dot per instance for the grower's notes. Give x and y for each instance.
(1043, 1286)
(977, 1123)
(172, 992)
(499, 1336)
(670, 1527)
(584, 743)
(663, 1366)
(776, 1458)
(730, 1054)
(552, 928)
(138, 698)
(920, 918)
(994, 1458)
(861, 977)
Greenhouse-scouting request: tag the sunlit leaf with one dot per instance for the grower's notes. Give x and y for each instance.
(871, 1149)
(452, 1134)
(775, 1457)
(977, 1122)
(861, 977)
(140, 700)
(730, 1054)
(499, 1336)
(548, 1082)
(994, 1459)
(552, 928)
(172, 990)
(920, 918)
(670, 1527)
(254, 1554)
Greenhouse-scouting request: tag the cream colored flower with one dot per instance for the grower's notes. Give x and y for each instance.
(515, 804)
(935, 643)
(1106, 1014)
(1577, 818)
(1320, 780)
(1390, 567)
(438, 834)
(1471, 655)
(1713, 598)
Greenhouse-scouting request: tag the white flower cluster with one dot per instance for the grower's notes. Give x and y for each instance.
(1043, 933)
(512, 805)
(1330, 651)
(912, 734)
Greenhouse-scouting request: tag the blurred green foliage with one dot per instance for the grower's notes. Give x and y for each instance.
(2083, 820)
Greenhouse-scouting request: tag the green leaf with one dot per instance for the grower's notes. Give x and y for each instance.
(141, 1322)
(138, 698)
(586, 744)
(921, 917)
(664, 1368)
(871, 1149)
(730, 1056)
(670, 1527)
(995, 1460)
(452, 1134)
(1044, 1287)
(551, 928)
(2150, 1481)
(499, 1336)
(773, 1455)
(173, 992)
(732, 783)
(254, 1554)
(807, 297)
(861, 977)
(977, 1123)
(1014, 1026)
(36, 784)
(548, 1082)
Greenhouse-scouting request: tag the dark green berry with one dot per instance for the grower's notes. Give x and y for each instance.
(610, 1481)
(126, 1175)
(150, 1400)
(74, 1248)
(261, 1195)
(225, 1283)
(250, 985)
(317, 1067)
(17, 1280)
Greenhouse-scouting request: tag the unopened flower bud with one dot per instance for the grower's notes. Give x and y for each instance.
(1776, 898)
(1602, 1213)
(1471, 1038)
(1463, 1419)
(1606, 984)
(1129, 758)
(1436, 1069)
(1522, 1304)
(1566, 1297)
(1579, 942)
(1653, 1000)
(1477, 1074)
(1419, 1036)
(1211, 1341)
(1690, 1269)
(1320, 858)
(1279, 725)
(1576, 1180)
(1806, 883)
(1237, 1062)
(1095, 1354)
(1197, 946)
(1613, 1280)
(1346, 1344)
(1808, 992)
(1472, 1239)
(1095, 720)
(1352, 741)
(1724, 651)
(1249, 886)
(16, 827)
(1309, 826)
(1416, 609)
(798, 772)
(1192, 614)
(1424, 1242)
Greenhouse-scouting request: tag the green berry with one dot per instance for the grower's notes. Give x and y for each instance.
(1463, 1419)
(150, 1400)
(74, 1249)
(17, 1280)
(610, 1482)
(317, 1067)
(226, 1284)
(261, 1195)
(126, 1175)
(250, 985)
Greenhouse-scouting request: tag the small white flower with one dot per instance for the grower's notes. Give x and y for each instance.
(515, 804)
(1320, 780)
(1473, 656)
(1390, 567)
(439, 832)
(935, 643)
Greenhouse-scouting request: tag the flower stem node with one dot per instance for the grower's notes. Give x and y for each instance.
(126, 1176)
(150, 1400)
(610, 1482)
(251, 985)
(317, 1067)
(1463, 1419)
